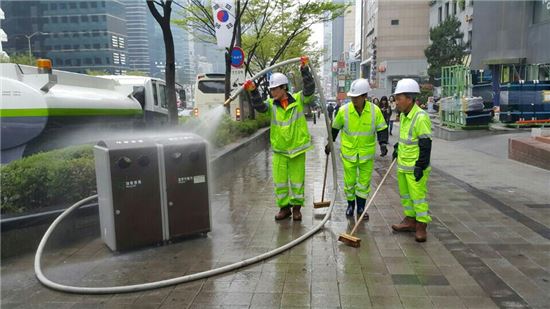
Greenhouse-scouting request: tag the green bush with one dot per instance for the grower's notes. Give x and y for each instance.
(56, 178)
(65, 176)
(229, 131)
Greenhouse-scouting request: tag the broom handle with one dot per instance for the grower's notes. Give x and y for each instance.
(325, 181)
(372, 198)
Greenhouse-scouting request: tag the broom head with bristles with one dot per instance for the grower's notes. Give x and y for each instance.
(322, 204)
(350, 240)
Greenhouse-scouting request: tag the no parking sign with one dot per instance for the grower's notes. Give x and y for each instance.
(237, 57)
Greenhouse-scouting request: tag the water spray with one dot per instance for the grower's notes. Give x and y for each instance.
(201, 275)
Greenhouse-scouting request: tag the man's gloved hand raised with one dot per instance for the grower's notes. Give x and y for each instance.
(304, 60)
(249, 85)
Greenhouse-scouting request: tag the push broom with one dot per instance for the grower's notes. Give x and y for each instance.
(351, 240)
(323, 203)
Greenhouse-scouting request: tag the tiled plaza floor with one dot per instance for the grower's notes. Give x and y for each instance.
(484, 250)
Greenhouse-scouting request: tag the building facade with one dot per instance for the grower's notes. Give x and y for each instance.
(396, 33)
(137, 21)
(77, 36)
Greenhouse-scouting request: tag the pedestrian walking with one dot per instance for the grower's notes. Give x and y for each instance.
(330, 110)
(362, 124)
(413, 160)
(394, 113)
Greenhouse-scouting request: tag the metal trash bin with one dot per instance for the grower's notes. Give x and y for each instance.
(183, 169)
(128, 186)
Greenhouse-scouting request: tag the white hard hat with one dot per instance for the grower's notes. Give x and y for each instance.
(407, 85)
(359, 87)
(277, 79)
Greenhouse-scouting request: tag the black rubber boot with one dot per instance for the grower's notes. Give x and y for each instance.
(361, 207)
(351, 208)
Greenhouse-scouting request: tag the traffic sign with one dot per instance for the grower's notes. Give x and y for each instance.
(237, 57)
(238, 77)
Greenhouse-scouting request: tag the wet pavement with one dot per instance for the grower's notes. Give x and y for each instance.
(487, 248)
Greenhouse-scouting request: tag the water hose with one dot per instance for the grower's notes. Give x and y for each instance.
(201, 275)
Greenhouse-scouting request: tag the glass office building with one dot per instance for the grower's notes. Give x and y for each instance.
(76, 35)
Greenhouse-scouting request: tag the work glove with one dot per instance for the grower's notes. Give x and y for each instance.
(304, 60)
(383, 150)
(249, 85)
(418, 173)
(394, 154)
(327, 149)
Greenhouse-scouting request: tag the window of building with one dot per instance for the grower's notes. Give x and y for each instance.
(122, 58)
(57, 47)
(95, 33)
(446, 10)
(54, 20)
(46, 20)
(44, 7)
(395, 22)
(88, 61)
(86, 46)
(454, 7)
(83, 5)
(114, 41)
(64, 19)
(93, 4)
(76, 34)
(68, 62)
(116, 58)
(74, 19)
(76, 47)
(106, 45)
(78, 62)
(95, 18)
(67, 46)
(66, 34)
(97, 61)
(121, 42)
(84, 18)
(104, 18)
(440, 15)
(63, 6)
(97, 46)
(72, 5)
(107, 60)
(53, 6)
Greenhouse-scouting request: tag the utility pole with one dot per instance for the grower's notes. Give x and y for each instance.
(29, 41)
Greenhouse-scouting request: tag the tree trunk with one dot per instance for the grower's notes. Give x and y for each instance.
(170, 74)
(170, 68)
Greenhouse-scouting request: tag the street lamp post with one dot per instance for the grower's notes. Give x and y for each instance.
(29, 40)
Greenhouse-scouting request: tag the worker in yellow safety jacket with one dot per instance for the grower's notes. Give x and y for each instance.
(413, 159)
(362, 123)
(289, 136)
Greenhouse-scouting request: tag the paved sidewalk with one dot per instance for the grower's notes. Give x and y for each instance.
(484, 250)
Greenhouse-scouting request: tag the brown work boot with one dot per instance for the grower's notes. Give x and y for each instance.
(407, 225)
(284, 213)
(296, 214)
(421, 235)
